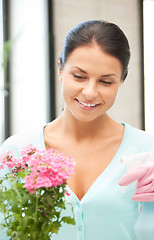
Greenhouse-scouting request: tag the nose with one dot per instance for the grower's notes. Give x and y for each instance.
(90, 90)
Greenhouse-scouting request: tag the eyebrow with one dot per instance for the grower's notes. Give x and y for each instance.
(108, 75)
(83, 71)
(80, 69)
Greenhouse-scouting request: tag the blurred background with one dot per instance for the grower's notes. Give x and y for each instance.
(32, 33)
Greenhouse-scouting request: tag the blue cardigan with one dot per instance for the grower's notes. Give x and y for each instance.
(106, 211)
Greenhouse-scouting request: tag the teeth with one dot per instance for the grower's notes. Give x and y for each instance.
(87, 104)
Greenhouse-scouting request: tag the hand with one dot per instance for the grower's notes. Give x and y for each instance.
(144, 175)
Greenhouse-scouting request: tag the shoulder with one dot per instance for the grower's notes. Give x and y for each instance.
(132, 131)
(139, 138)
(16, 142)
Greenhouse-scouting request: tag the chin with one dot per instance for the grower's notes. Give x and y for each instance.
(85, 119)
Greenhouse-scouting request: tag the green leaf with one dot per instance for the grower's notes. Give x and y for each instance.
(68, 220)
(25, 222)
(15, 207)
(54, 227)
(26, 198)
(1, 181)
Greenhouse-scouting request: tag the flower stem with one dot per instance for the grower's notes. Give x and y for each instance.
(36, 209)
(20, 199)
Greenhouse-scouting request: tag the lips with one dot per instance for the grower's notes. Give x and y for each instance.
(87, 104)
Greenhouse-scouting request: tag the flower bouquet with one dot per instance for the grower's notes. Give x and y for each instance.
(32, 193)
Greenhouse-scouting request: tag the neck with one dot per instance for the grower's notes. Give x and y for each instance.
(101, 127)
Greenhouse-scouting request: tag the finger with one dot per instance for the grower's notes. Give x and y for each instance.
(146, 180)
(132, 176)
(147, 188)
(145, 197)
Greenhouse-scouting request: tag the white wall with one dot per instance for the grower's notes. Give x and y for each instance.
(149, 63)
(125, 13)
(29, 64)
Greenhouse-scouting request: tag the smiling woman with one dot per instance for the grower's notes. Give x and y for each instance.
(92, 77)
(92, 67)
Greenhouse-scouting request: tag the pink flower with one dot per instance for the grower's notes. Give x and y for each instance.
(43, 182)
(67, 193)
(8, 160)
(46, 168)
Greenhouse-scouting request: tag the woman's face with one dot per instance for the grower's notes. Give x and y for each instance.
(90, 81)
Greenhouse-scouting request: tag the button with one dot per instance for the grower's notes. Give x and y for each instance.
(80, 228)
(78, 204)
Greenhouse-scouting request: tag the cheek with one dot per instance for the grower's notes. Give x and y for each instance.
(110, 96)
(67, 88)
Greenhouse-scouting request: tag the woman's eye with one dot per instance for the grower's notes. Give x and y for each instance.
(78, 76)
(106, 82)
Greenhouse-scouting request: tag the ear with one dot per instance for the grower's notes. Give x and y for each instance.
(59, 71)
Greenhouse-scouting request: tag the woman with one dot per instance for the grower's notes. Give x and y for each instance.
(92, 67)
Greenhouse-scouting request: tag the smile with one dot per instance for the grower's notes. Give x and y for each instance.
(87, 104)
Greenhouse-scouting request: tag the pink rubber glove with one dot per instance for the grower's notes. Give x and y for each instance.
(144, 175)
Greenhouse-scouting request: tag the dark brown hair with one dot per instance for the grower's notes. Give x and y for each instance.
(107, 35)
